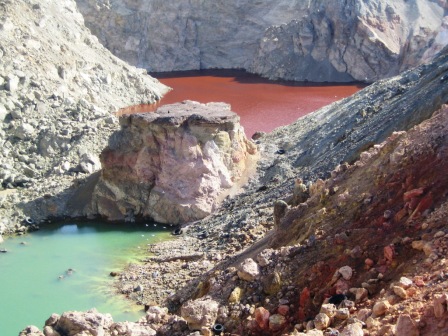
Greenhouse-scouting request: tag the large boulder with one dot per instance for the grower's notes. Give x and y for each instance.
(174, 165)
(72, 323)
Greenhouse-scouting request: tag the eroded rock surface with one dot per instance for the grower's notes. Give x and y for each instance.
(174, 165)
(59, 90)
(298, 40)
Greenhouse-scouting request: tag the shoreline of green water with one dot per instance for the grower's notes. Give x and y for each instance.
(35, 280)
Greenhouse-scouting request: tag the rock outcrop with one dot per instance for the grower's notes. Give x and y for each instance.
(174, 165)
(59, 90)
(362, 40)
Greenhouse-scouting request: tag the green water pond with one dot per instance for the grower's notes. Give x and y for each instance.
(35, 280)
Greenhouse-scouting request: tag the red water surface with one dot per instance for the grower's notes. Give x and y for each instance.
(261, 104)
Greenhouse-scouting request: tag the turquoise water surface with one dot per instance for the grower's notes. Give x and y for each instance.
(35, 281)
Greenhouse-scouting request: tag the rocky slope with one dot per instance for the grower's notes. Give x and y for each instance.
(374, 231)
(363, 255)
(59, 89)
(362, 40)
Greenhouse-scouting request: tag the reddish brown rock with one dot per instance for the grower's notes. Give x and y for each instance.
(262, 317)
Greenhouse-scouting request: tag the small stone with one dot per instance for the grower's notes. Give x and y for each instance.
(200, 313)
(405, 282)
(262, 317)
(236, 295)
(12, 83)
(24, 131)
(328, 309)
(369, 262)
(138, 288)
(354, 329)
(49, 331)
(406, 326)
(342, 313)
(276, 322)
(380, 308)
(346, 272)
(52, 320)
(440, 304)
(371, 323)
(31, 331)
(400, 291)
(283, 310)
(439, 234)
(272, 283)
(248, 270)
(3, 112)
(363, 314)
(321, 321)
(360, 294)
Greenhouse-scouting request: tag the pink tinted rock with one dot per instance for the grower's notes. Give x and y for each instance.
(173, 165)
(440, 304)
(283, 310)
(380, 308)
(406, 326)
(262, 317)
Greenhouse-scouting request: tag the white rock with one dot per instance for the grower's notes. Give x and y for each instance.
(321, 321)
(405, 282)
(354, 329)
(3, 112)
(24, 131)
(199, 313)
(248, 270)
(380, 308)
(346, 272)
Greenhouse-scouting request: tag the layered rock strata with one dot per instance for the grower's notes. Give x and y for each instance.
(362, 40)
(174, 165)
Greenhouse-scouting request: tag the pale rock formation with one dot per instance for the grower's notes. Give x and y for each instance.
(297, 40)
(72, 323)
(88, 323)
(200, 313)
(174, 165)
(59, 89)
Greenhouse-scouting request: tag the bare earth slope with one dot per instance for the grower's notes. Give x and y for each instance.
(59, 89)
(363, 255)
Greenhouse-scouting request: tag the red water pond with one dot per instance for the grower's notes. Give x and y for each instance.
(261, 104)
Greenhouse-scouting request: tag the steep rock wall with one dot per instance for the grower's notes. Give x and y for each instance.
(296, 40)
(59, 89)
(174, 165)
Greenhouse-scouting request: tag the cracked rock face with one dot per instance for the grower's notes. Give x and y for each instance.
(341, 41)
(174, 165)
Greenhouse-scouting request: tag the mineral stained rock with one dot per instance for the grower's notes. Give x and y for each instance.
(310, 40)
(174, 165)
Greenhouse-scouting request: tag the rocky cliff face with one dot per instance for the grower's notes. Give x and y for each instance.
(174, 165)
(59, 89)
(349, 40)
